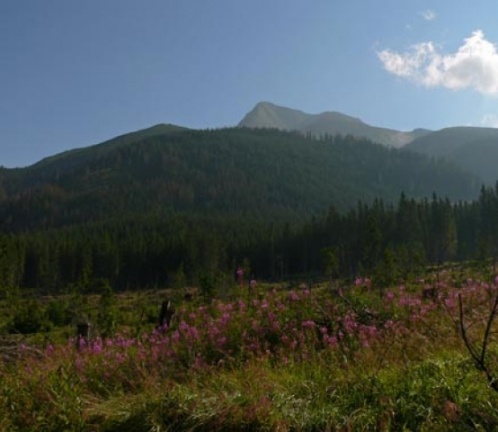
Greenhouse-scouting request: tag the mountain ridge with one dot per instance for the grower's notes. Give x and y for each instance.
(269, 115)
(470, 148)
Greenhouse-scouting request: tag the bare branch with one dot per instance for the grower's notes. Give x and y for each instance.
(463, 332)
(491, 318)
(479, 360)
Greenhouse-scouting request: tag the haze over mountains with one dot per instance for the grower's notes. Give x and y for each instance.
(268, 115)
(256, 170)
(473, 149)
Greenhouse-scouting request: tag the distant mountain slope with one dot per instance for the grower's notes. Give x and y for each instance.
(68, 162)
(267, 115)
(121, 140)
(256, 173)
(473, 149)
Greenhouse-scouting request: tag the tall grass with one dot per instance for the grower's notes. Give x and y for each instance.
(304, 360)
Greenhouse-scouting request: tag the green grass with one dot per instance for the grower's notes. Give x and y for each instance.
(398, 365)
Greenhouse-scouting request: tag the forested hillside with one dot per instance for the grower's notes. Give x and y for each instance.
(256, 173)
(184, 206)
(472, 149)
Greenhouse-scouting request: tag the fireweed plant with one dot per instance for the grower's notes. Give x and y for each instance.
(339, 359)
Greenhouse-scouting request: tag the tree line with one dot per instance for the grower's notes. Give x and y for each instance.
(390, 241)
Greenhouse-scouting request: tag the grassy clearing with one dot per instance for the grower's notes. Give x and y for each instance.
(282, 361)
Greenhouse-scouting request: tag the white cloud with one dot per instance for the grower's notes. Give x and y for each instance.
(428, 15)
(474, 65)
(490, 120)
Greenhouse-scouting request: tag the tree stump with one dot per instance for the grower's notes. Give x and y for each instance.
(166, 314)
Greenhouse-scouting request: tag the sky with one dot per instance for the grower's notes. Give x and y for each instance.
(76, 73)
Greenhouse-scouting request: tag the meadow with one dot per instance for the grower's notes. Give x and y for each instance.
(419, 356)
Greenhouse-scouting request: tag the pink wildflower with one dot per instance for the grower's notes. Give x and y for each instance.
(193, 333)
(221, 341)
(389, 324)
(350, 323)
(450, 303)
(97, 346)
(330, 340)
(308, 324)
(240, 272)
(240, 276)
(293, 296)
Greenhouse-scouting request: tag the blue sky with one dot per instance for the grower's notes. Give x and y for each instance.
(75, 73)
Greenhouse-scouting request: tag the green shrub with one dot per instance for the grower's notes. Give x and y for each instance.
(58, 312)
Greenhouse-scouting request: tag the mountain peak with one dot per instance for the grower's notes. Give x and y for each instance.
(268, 115)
